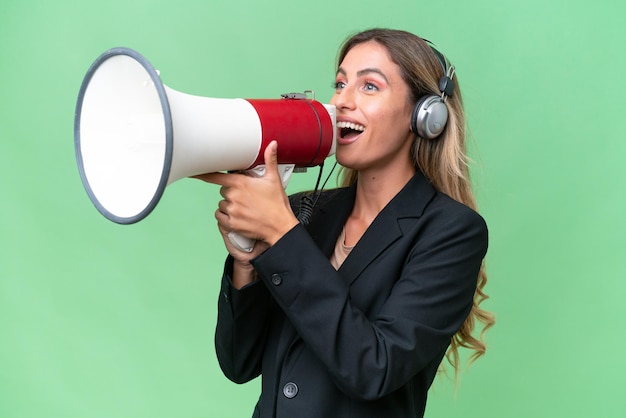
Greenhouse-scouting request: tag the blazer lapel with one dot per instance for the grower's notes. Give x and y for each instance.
(333, 210)
(386, 227)
(327, 223)
(335, 206)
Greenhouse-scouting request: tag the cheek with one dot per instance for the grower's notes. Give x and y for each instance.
(403, 118)
(396, 122)
(391, 112)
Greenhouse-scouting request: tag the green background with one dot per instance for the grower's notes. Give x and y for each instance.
(102, 320)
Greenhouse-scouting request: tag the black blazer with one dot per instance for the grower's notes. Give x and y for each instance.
(366, 340)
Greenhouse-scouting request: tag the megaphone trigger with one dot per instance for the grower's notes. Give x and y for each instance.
(284, 171)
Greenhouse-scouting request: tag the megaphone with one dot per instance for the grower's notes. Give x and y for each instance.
(134, 136)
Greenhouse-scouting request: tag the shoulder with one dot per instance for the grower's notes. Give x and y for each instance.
(450, 219)
(421, 202)
(445, 205)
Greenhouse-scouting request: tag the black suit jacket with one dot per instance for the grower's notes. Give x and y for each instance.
(366, 340)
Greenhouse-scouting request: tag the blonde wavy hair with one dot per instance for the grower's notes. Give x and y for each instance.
(443, 160)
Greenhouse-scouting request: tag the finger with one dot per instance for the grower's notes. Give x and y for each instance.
(222, 221)
(271, 158)
(222, 206)
(224, 191)
(223, 179)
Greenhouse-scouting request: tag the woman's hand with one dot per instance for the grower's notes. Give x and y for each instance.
(254, 207)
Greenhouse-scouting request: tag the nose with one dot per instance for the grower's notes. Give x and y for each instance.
(343, 99)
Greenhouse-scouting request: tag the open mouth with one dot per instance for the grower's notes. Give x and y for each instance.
(349, 130)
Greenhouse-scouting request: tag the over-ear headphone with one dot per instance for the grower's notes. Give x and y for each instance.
(430, 113)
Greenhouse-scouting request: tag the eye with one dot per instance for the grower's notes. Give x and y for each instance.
(369, 86)
(339, 85)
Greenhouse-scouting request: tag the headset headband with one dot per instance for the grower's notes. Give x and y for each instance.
(446, 85)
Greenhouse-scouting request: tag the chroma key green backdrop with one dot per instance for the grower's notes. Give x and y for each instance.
(99, 320)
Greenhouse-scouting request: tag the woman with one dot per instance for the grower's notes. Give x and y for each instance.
(351, 315)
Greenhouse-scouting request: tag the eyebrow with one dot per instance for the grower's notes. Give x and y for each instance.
(365, 71)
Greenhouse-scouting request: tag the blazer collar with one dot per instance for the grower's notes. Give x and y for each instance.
(386, 228)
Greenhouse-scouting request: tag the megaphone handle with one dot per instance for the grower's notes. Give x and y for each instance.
(240, 242)
(246, 244)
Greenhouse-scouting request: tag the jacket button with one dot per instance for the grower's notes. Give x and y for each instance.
(276, 279)
(290, 390)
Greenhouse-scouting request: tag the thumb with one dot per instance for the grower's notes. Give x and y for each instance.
(271, 158)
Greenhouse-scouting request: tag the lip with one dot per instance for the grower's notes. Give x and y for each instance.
(344, 141)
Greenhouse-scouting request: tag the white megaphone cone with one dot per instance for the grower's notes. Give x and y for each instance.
(133, 136)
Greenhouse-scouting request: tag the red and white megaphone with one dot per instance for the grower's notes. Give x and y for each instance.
(134, 136)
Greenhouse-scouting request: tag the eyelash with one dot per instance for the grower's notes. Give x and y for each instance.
(368, 85)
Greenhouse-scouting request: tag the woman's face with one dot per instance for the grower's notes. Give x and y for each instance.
(373, 111)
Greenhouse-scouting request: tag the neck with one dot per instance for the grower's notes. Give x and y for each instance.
(373, 192)
(376, 188)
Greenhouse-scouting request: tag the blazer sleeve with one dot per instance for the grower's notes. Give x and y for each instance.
(371, 355)
(241, 329)
(243, 317)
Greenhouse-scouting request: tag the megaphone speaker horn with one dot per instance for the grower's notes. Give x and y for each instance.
(133, 136)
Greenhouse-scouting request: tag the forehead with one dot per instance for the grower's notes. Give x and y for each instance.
(369, 54)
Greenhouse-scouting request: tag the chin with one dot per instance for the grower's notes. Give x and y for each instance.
(347, 160)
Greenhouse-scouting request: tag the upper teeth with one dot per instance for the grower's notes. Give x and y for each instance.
(350, 125)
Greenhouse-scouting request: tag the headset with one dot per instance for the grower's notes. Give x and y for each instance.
(430, 113)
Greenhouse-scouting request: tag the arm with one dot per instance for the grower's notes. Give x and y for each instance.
(259, 208)
(241, 327)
